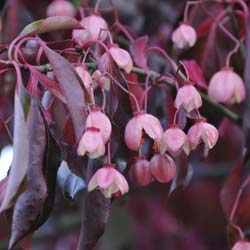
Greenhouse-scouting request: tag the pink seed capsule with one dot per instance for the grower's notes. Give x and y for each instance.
(241, 245)
(162, 168)
(188, 98)
(184, 36)
(61, 8)
(226, 86)
(140, 173)
(203, 131)
(109, 181)
(98, 119)
(174, 140)
(139, 123)
(91, 143)
(122, 58)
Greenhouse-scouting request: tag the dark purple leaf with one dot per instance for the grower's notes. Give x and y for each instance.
(138, 51)
(28, 206)
(230, 189)
(72, 88)
(95, 217)
(48, 83)
(95, 214)
(20, 158)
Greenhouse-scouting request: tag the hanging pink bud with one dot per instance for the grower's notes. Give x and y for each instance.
(91, 143)
(188, 98)
(142, 121)
(84, 75)
(174, 140)
(109, 181)
(162, 168)
(122, 58)
(241, 245)
(102, 81)
(140, 173)
(96, 27)
(227, 87)
(202, 131)
(61, 8)
(98, 119)
(184, 36)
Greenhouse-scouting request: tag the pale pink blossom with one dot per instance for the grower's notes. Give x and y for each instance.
(162, 168)
(174, 140)
(91, 143)
(188, 98)
(184, 36)
(61, 8)
(226, 86)
(109, 181)
(122, 58)
(241, 245)
(142, 122)
(84, 75)
(203, 131)
(139, 172)
(101, 80)
(95, 26)
(98, 119)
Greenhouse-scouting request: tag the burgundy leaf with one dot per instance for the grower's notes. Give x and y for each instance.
(138, 51)
(20, 156)
(28, 206)
(48, 83)
(195, 73)
(96, 210)
(50, 24)
(72, 89)
(95, 218)
(230, 189)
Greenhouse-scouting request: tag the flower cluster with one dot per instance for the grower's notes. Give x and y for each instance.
(95, 140)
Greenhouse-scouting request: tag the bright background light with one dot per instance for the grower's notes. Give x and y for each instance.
(6, 157)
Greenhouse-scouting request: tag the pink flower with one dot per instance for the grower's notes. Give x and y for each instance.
(60, 8)
(188, 98)
(162, 168)
(140, 173)
(95, 28)
(227, 87)
(122, 58)
(241, 245)
(184, 36)
(174, 140)
(109, 181)
(84, 75)
(202, 131)
(102, 81)
(142, 121)
(98, 119)
(91, 143)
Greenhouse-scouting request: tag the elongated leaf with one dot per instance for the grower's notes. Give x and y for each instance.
(48, 83)
(20, 155)
(72, 88)
(29, 204)
(95, 214)
(50, 24)
(95, 218)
